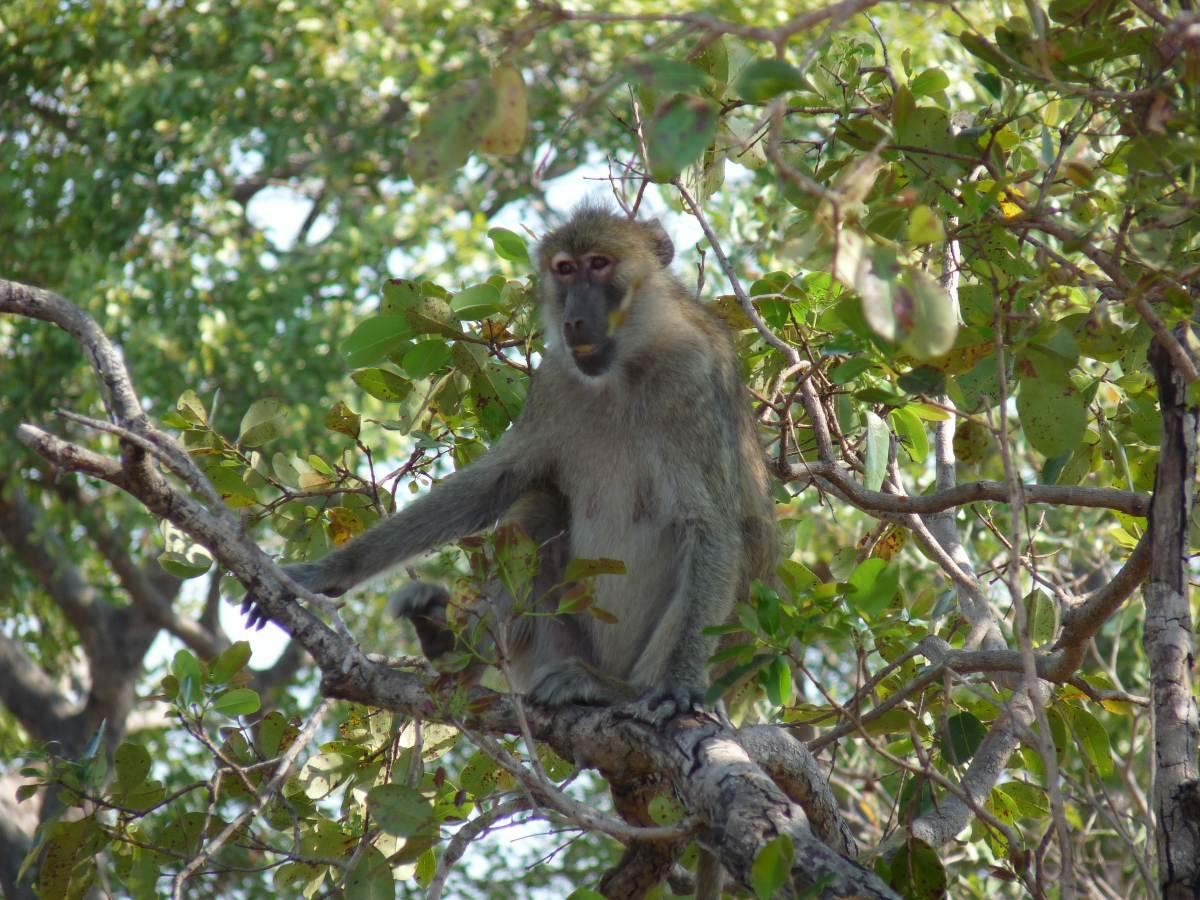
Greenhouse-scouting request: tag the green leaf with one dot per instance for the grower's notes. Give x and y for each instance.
(131, 764)
(917, 872)
(65, 849)
(284, 467)
(192, 564)
(1053, 416)
(845, 372)
(874, 584)
(1029, 800)
(433, 316)
(477, 302)
(322, 773)
(964, 733)
(186, 669)
(670, 76)
(911, 432)
(480, 776)
(980, 386)
(374, 338)
(450, 129)
(665, 810)
(401, 810)
(680, 131)
(739, 672)
(555, 767)
(509, 245)
(295, 879)
(926, 315)
(190, 407)
(878, 440)
(924, 226)
(796, 577)
(872, 272)
(263, 422)
(371, 878)
(1041, 614)
(1093, 739)
(778, 682)
(772, 868)
(237, 702)
(271, 731)
(925, 128)
(931, 81)
(496, 391)
(232, 487)
(382, 384)
(398, 295)
(767, 78)
(229, 662)
(425, 358)
(922, 380)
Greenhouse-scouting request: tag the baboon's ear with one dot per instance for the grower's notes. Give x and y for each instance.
(660, 243)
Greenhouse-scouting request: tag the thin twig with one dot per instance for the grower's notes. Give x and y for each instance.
(261, 796)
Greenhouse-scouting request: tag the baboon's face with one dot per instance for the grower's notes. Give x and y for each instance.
(590, 307)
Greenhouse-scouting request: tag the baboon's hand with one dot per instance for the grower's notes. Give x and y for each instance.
(424, 604)
(308, 575)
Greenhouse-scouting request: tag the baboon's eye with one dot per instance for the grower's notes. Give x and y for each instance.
(600, 262)
(564, 267)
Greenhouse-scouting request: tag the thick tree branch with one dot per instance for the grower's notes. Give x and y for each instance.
(45, 556)
(707, 765)
(120, 398)
(1085, 618)
(29, 694)
(1169, 637)
(740, 806)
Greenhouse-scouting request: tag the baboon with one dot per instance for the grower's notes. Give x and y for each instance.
(637, 443)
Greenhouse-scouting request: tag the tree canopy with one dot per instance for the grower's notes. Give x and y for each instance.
(265, 274)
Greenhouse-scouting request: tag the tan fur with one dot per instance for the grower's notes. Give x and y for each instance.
(654, 460)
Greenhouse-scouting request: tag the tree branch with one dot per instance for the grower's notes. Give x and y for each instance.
(1168, 636)
(740, 806)
(969, 492)
(45, 556)
(29, 694)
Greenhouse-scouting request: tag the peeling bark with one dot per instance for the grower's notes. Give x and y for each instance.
(709, 767)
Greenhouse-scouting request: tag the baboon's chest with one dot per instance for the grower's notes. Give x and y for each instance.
(617, 513)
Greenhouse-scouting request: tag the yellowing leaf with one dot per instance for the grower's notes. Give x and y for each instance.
(924, 226)
(962, 359)
(344, 524)
(505, 134)
(1008, 207)
(341, 418)
(891, 543)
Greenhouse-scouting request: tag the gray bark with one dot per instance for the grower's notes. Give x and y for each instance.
(1169, 639)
